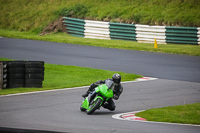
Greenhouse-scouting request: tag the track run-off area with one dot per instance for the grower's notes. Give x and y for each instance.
(177, 82)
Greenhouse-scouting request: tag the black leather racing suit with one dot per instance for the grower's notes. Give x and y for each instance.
(116, 93)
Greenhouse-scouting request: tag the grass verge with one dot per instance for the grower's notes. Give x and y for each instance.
(61, 76)
(119, 44)
(184, 114)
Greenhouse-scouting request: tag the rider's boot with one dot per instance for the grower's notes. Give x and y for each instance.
(108, 106)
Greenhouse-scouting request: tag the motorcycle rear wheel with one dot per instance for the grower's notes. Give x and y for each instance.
(95, 105)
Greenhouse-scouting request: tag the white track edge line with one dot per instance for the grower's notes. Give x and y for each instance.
(137, 80)
(117, 116)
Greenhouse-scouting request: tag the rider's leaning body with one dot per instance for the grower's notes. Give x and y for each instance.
(117, 90)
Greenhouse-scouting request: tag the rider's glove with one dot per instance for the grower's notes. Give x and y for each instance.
(115, 97)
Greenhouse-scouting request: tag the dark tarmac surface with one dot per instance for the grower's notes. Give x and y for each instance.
(178, 84)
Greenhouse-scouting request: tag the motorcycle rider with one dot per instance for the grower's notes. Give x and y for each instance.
(116, 78)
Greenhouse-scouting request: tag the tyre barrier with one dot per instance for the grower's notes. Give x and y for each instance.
(3, 74)
(132, 32)
(16, 78)
(34, 74)
(20, 74)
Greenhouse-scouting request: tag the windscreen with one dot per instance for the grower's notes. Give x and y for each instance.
(110, 84)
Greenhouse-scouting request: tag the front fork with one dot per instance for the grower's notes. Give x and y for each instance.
(91, 98)
(87, 101)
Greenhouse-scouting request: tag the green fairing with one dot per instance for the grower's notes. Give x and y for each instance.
(85, 103)
(105, 94)
(104, 91)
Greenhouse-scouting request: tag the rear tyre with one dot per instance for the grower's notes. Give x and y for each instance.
(16, 81)
(95, 105)
(16, 86)
(16, 76)
(16, 71)
(34, 64)
(34, 70)
(33, 85)
(33, 81)
(34, 76)
(16, 64)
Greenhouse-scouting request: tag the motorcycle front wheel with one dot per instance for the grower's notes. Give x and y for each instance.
(82, 109)
(95, 105)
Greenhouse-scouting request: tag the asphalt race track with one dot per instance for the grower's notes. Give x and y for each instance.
(159, 65)
(178, 84)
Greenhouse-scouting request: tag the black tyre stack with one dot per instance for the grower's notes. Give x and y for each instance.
(16, 74)
(3, 75)
(34, 74)
(19, 74)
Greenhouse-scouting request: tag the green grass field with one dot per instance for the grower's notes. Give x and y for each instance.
(184, 114)
(60, 76)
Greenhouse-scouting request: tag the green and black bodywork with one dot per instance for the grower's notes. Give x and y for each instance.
(99, 96)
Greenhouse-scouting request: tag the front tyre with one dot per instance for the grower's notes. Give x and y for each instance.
(82, 109)
(95, 105)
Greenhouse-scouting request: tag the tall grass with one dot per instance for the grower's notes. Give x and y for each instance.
(33, 15)
(30, 15)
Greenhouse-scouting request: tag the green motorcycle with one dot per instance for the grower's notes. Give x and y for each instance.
(98, 97)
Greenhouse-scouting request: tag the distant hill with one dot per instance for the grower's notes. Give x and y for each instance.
(34, 15)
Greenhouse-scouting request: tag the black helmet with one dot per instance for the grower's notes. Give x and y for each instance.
(116, 78)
